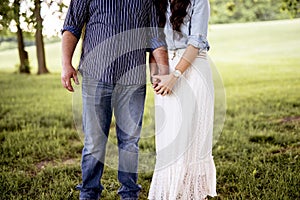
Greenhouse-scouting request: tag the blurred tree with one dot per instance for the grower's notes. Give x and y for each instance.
(42, 68)
(292, 6)
(252, 10)
(39, 41)
(10, 11)
(31, 20)
(23, 55)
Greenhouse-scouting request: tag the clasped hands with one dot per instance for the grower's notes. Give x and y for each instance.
(163, 84)
(162, 81)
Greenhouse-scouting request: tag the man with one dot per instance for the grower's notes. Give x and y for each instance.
(112, 65)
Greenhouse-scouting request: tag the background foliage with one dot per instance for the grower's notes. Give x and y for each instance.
(229, 11)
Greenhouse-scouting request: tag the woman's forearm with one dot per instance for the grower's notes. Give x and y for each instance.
(187, 58)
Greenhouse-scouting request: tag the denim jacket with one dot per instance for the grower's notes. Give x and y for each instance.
(194, 28)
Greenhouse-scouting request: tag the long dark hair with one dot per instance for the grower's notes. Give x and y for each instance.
(178, 9)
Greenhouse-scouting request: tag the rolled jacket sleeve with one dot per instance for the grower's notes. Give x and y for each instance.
(199, 25)
(77, 16)
(156, 34)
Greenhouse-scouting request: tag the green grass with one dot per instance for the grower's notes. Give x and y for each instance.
(257, 155)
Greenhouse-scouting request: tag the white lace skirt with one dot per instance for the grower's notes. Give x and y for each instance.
(184, 167)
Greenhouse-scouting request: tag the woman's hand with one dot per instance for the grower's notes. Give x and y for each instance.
(165, 84)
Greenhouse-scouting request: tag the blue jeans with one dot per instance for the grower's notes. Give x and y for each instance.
(100, 100)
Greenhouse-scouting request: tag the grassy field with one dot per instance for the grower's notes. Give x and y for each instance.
(257, 155)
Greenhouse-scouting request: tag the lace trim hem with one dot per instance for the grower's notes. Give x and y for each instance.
(194, 181)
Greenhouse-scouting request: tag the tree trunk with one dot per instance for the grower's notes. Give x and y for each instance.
(23, 55)
(40, 50)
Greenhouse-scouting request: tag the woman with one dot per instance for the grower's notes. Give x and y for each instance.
(184, 167)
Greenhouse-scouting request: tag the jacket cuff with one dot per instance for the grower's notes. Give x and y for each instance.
(155, 43)
(198, 41)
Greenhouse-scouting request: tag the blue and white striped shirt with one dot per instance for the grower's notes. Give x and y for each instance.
(117, 34)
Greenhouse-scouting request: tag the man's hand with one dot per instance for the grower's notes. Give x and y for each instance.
(153, 70)
(67, 73)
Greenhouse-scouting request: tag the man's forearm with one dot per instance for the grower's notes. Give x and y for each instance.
(69, 42)
(161, 57)
(153, 65)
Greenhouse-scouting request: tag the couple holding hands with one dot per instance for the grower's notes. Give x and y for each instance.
(116, 35)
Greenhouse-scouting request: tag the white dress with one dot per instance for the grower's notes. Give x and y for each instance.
(184, 167)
